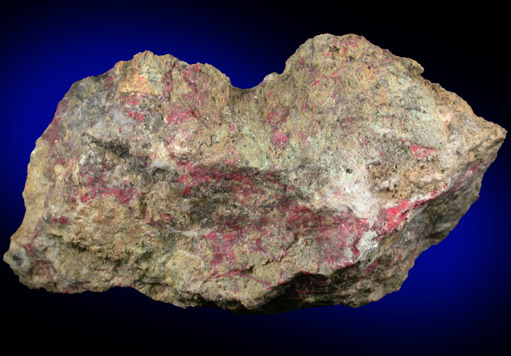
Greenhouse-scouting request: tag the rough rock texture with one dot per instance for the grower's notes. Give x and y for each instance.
(319, 186)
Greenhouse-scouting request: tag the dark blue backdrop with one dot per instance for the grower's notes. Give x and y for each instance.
(456, 299)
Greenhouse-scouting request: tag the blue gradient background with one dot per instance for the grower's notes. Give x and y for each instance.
(456, 299)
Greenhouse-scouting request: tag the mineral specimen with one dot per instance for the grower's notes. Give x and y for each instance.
(319, 186)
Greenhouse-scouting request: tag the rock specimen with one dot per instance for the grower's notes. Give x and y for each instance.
(319, 186)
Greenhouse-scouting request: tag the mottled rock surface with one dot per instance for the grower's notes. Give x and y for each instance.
(319, 186)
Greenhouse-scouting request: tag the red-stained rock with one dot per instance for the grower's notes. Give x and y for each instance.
(319, 186)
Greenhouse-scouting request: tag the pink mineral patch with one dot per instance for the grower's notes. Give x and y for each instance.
(60, 220)
(178, 117)
(280, 139)
(122, 195)
(394, 216)
(139, 116)
(421, 152)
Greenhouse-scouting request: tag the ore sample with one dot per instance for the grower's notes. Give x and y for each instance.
(319, 186)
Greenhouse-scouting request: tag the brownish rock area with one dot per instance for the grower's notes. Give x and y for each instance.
(319, 186)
